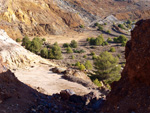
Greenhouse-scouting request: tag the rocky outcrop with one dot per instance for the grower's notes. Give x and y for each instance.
(131, 93)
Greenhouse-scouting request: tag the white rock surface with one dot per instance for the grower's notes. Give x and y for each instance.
(15, 55)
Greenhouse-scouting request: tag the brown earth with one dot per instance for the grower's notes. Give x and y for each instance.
(131, 93)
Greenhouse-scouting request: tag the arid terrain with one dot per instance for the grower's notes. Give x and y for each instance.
(52, 53)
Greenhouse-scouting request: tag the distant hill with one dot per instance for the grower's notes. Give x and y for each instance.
(41, 17)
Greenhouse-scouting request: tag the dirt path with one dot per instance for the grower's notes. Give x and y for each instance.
(40, 76)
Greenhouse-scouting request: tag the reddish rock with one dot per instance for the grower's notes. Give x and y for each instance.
(131, 93)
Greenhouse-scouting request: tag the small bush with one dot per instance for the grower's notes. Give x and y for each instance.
(109, 40)
(69, 50)
(65, 45)
(72, 57)
(84, 56)
(81, 26)
(108, 31)
(112, 49)
(123, 43)
(92, 53)
(88, 39)
(25, 40)
(44, 53)
(100, 28)
(18, 40)
(105, 43)
(97, 82)
(105, 23)
(82, 67)
(96, 24)
(121, 26)
(43, 39)
(73, 44)
(88, 65)
(78, 64)
(94, 57)
(119, 56)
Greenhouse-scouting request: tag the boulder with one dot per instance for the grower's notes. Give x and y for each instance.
(58, 70)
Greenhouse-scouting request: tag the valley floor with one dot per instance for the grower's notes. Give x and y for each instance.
(50, 83)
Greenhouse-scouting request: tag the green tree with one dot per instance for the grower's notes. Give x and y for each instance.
(43, 39)
(78, 64)
(93, 53)
(106, 67)
(88, 65)
(112, 49)
(100, 28)
(121, 26)
(25, 40)
(55, 52)
(109, 40)
(36, 45)
(73, 44)
(65, 45)
(44, 53)
(69, 50)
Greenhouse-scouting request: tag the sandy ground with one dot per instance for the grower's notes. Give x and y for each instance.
(40, 76)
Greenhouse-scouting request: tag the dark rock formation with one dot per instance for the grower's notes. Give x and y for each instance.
(131, 93)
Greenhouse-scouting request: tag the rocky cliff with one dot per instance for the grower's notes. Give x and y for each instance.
(131, 94)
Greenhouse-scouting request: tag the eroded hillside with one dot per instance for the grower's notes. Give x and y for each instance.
(35, 18)
(43, 17)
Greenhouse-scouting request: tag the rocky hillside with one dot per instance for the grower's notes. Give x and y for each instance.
(43, 17)
(14, 55)
(131, 93)
(35, 17)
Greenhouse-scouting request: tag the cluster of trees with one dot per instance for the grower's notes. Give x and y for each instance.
(121, 39)
(97, 41)
(36, 46)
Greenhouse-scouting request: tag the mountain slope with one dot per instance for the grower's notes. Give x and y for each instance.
(43, 17)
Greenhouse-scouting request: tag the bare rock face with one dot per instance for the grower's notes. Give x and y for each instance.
(131, 93)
